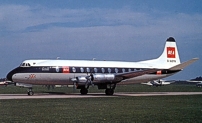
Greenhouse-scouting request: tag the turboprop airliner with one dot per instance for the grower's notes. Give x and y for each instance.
(104, 74)
(158, 83)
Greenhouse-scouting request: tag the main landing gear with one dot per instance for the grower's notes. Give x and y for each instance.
(30, 92)
(84, 91)
(110, 90)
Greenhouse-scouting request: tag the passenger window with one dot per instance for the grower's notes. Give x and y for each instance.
(109, 70)
(116, 70)
(87, 70)
(103, 70)
(74, 69)
(82, 70)
(95, 70)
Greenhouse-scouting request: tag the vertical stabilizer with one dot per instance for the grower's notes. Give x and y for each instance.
(168, 58)
(170, 55)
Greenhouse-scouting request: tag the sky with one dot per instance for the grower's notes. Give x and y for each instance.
(123, 30)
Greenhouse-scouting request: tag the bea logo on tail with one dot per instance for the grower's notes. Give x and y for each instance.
(170, 52)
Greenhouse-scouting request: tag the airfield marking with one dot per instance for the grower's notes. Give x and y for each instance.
(158, 93)
(47, 96)
(93, 95)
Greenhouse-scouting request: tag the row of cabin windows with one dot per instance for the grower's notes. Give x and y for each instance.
(103, 70)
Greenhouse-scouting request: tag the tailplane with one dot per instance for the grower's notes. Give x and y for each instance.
(184, 64)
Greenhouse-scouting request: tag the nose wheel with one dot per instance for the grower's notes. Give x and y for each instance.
(30, 92)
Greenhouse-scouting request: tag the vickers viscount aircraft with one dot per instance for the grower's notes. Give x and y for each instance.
(104, 74)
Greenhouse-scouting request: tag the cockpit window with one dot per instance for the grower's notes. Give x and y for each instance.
(25, 65)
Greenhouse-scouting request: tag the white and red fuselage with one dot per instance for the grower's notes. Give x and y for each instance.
(101, 73)
(63, 72)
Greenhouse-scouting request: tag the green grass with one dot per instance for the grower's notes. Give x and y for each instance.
(119, 88)
(116, 109)
(155, 109)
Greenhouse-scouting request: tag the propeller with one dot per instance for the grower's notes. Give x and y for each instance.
(74, 86)
(160, 82)
(81, 79)
(89, 81)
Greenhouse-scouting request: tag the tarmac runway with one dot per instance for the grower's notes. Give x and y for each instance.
(92, 95)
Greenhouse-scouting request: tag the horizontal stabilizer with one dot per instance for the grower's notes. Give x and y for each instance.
(184, 64)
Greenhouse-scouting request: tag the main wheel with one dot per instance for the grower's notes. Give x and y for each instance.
(109, 91)
(30, 93)
(84, 91)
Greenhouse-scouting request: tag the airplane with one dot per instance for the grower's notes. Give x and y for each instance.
(158, 83)
(103, 74)
(197, 80)
(4, 82)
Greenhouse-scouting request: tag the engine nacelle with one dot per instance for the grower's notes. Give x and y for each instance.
(96, 78)
(102, 77)
(23, 85)
(81, 79)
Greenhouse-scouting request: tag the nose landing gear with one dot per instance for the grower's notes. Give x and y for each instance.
(30, 92)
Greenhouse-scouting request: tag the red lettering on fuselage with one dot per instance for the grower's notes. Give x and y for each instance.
(159, 72)
(65, 69)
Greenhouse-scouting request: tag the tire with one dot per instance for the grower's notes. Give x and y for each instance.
(109, 91)
(30, 93)
(84, 91)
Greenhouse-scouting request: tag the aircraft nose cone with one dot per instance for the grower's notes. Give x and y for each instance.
(9, 76)
(13, 72)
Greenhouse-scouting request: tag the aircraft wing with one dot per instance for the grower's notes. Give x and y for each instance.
(193, 81)
(146, 83)
(129, 75)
